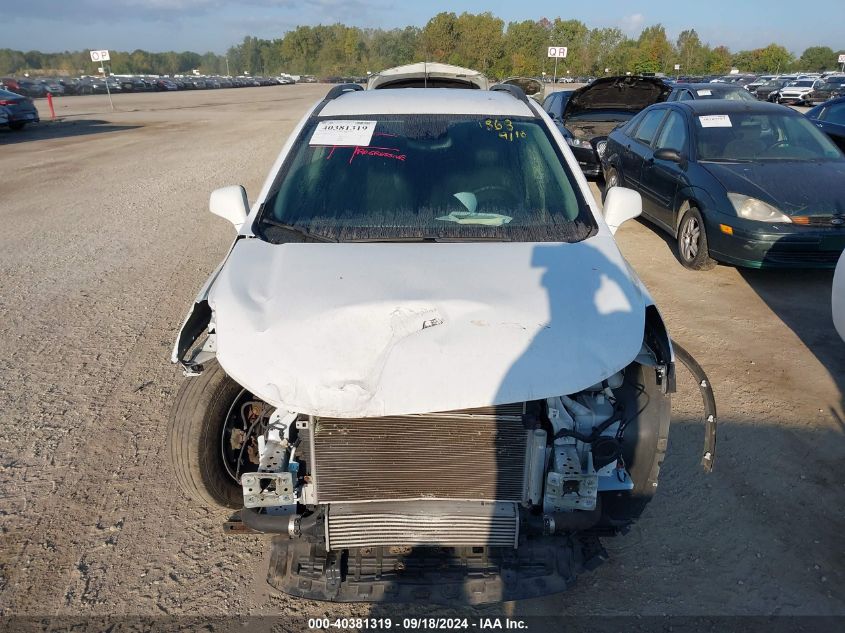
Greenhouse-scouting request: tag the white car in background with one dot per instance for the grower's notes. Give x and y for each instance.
(424, 344)
(794, 92)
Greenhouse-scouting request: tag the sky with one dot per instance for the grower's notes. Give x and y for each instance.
(215, 25)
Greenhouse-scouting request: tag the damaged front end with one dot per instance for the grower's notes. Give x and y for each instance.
(483, 504)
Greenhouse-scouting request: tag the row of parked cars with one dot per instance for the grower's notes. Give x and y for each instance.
(115, 83)
(732, 179)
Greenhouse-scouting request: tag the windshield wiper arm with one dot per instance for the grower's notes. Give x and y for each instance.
(298, 230)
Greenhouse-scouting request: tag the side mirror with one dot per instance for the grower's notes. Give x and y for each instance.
(231, 204)
(838, 297)
(620, 205)
(672, 155)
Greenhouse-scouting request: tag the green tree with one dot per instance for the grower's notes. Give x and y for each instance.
(691, 53)
(654, 52)
(480, 41)
(817, 58)
(719, 60)
(439, 37)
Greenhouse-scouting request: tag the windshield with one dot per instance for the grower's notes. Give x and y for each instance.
(414, 176)
(805, 83)
(742, 136)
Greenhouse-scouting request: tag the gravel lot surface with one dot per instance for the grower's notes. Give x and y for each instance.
(107, 238)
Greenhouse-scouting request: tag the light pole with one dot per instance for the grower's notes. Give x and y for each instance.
(227, 66)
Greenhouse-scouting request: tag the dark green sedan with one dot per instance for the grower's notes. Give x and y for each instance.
(745, 183)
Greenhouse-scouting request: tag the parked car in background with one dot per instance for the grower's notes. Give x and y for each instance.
(556, 102)
(594, 110)
(770, 90)
(690, 92)
(750, 184)
(11, 84)
(795, 92)
(134, 84)
(53, 86)
(829, 117)
(421, 74)
(70, 85)
(31, 88)
(831, 87)
(19, 109)
(163, 85)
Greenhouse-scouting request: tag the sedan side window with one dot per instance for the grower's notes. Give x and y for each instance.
(673, 135)
(686, 95)
(648, 126)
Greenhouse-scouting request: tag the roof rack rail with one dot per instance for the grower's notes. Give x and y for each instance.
(515, 91)
(340, 89)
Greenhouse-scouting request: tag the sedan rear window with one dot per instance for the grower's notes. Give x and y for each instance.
(400, 177)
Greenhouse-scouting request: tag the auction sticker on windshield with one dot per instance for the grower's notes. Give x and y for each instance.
(715, 120)
(343, 133)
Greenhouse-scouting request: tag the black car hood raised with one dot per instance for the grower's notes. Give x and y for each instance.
(626, 93)
(794, 187)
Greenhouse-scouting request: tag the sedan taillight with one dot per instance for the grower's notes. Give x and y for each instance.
(7, 102)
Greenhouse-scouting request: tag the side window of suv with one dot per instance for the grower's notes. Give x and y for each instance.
(648, 126)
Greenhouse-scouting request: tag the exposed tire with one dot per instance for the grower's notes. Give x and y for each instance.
(644, 448)
(693, 251)
(194, 439)
(17, 126)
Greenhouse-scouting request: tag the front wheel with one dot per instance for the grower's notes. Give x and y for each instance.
(211, 437)
(692, 242)
(17, 126)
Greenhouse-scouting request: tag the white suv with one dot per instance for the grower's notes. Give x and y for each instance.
(424, 345)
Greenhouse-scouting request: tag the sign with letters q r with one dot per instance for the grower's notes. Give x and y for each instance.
(557, 51)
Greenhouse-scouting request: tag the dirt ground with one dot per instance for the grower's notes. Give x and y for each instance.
(106, 240)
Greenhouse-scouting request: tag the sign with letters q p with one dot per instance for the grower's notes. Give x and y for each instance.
(557, 51)
(842, 59)
(100, 56)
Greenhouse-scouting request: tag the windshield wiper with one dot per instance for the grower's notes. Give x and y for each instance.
(729, 160)
(298, 230)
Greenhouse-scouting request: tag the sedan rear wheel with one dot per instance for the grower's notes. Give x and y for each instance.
(692, 242)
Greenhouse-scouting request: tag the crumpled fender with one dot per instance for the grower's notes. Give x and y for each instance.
(197, 321)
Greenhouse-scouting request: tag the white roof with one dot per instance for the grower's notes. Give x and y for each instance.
(426, 101)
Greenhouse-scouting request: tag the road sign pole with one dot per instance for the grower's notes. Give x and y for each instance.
(554, 78)
(108, 91)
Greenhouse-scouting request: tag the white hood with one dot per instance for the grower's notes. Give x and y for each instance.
(357, 330)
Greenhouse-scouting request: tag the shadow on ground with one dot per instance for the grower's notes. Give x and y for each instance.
(801, 299)
(59, 129)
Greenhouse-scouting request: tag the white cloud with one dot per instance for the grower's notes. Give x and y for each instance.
(633, 23)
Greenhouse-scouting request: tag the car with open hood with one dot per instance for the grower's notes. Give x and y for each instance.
(424, 353)
(751, 184)
(597, 108)
(428, 75)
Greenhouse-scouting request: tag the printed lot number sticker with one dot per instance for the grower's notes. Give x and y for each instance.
(715, 120)
(343, 133)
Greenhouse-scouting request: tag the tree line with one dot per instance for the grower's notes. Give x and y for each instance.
(481, 41)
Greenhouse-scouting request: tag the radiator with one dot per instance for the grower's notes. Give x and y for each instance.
(472, 454)
(422, 523)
